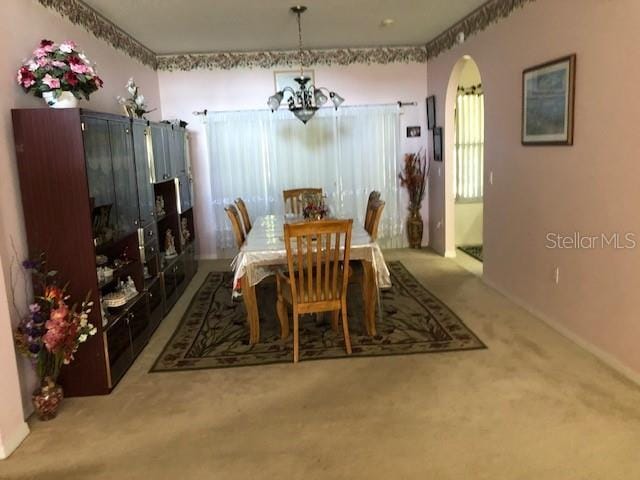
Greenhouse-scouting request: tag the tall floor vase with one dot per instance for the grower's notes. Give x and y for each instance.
(415, 227)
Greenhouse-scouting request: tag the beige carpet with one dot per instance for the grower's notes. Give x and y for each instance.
(532, 406)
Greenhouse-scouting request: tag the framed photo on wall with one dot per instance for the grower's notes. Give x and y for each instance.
(548, 92)
(437, 144)
(413, 132)
(431, 112)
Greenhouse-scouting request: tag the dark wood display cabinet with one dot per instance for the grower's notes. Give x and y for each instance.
(89, 184)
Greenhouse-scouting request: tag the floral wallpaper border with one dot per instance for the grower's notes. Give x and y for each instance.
(290, 58)
(81, 14)
(486, 15)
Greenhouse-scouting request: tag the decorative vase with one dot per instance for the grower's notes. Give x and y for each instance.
(65, 100)
(47, 398)
(415, 227)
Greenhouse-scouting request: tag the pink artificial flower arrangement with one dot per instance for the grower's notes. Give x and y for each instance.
(52, 331)
(58, 68)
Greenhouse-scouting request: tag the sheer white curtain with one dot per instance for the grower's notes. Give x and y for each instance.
(469, 144)
(257, 154)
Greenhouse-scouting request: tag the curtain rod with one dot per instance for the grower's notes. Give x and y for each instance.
(399, 103)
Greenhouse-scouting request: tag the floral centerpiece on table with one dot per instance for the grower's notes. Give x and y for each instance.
(315, 211)
(135, 105)
(414, 178)
(51, 333)
(56, 69)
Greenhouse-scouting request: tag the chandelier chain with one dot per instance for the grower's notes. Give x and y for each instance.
(300, 42)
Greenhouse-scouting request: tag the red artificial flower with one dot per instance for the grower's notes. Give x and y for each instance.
(75, 60)
(53, 293)
(97, 81)
(71, 78)
(26, 78)
(45, 43)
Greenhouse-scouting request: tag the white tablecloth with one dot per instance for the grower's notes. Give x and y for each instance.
(264, 249)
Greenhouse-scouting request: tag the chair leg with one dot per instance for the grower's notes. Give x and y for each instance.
(334, 320)
(296, 338)
(283, 316)
(345, 329)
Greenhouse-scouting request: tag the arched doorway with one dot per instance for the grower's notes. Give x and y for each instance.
(464, 155)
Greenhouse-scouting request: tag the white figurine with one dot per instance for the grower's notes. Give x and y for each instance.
(169, 245)
(160, 206)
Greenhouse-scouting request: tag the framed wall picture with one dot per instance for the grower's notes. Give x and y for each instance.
(413, 132)
(437, 144)
(285, 78)
(431, 112)
(548, 92)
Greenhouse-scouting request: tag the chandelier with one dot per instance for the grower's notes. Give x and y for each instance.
(307, 99)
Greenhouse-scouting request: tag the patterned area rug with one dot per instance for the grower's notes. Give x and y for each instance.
(213, 332)
(473, 250)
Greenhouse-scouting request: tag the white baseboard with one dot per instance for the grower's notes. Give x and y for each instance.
(602, 355)
(10, 442)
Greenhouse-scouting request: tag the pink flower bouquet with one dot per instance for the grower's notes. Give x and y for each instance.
(58, 68)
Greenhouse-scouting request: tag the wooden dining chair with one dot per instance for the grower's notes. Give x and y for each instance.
(244, 213)
(317, 278)
(377, 206)
(236, 224)
(293, 199)
(373, 196)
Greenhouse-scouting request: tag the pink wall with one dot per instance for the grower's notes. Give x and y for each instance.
(185, 92)
(26, 23)
(591, 187)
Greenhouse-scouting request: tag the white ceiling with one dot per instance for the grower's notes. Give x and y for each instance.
(182, 26)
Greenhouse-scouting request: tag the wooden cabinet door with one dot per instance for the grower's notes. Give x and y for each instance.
(139, 325)
(160, 136)
(119, 349)
(97, 151)
(146, 200)
(124, 177)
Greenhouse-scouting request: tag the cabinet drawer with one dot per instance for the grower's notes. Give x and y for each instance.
(151, 250)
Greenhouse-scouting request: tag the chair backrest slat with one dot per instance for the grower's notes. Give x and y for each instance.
(244, 213)
(322, 251)
(373, 197)
(374, 222)
(293, 199)
(232, 213)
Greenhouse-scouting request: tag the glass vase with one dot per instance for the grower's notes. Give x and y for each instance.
(47, 399)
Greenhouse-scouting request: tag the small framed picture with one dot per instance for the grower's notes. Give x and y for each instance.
(437, 144)
(413, 132)
(286, 78)
(548, 92)
(431, 112)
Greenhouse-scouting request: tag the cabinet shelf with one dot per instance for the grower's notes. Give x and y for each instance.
(117, 274)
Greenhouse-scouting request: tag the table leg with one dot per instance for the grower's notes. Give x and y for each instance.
(251, 304)
(369, 294)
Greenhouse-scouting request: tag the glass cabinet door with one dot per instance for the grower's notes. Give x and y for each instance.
(178, 166)
(124, 177)
(146, 199)
(185, 193)
(160, 145)
(102, 195)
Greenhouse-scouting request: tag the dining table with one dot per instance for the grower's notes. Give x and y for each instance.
(264, 252)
